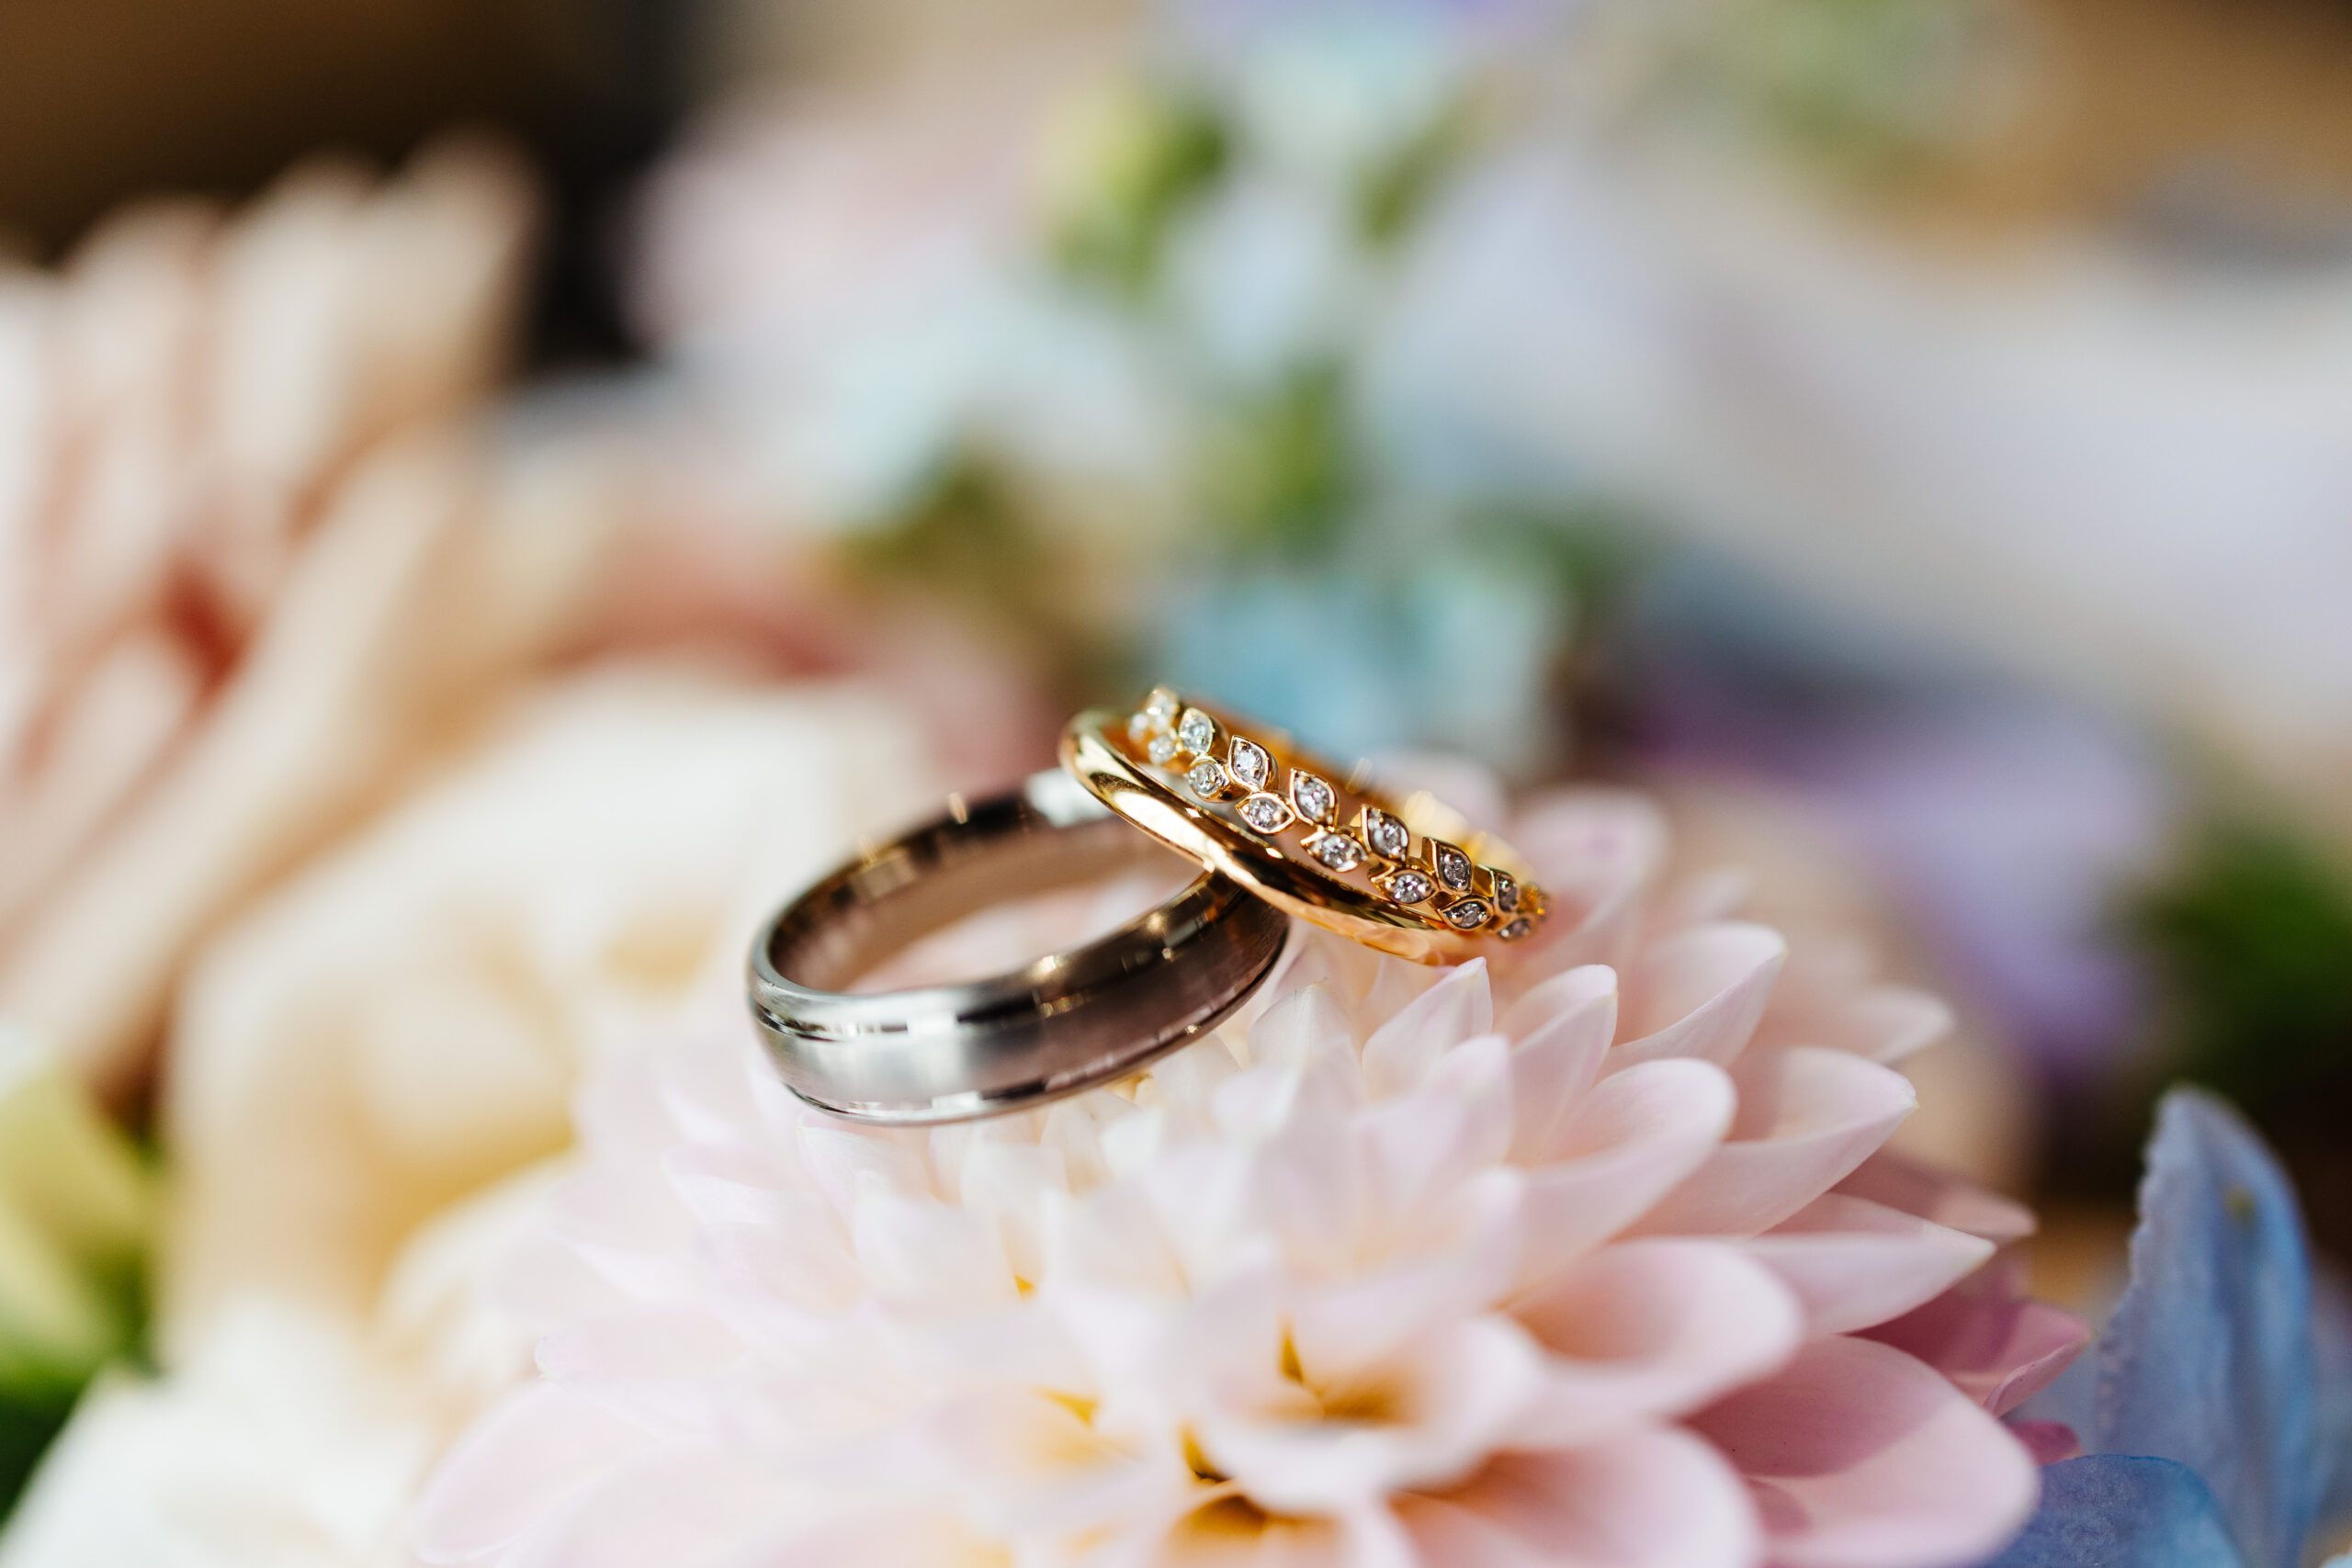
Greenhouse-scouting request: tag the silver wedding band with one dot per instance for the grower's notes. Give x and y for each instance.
(1065, 1022)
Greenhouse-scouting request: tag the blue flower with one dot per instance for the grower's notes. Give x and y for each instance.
(2221, 1415)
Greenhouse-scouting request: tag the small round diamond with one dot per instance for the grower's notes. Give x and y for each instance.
(1251, 765)
(1196, 731)
(1207, 779)
(1517, 928)
(1312, 796)
(1409, 887)
(1266, 813)
(1143, 724)
(1452, 866)
(1506, 892)
(1338, 851)
(1162, 706)
(1386, 835)
(1161, 750)
(1468, 915)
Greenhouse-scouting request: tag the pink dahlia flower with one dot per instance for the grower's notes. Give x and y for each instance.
(1588, 1257)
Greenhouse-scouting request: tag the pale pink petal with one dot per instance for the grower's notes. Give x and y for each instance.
(1807, 1117)
(931, 1254)
(1021, 1462)
(1623, 1146)
(1654, 1499)
(684, 1503)
(1595, 853)
(1701, 993)
(1430, 1141)
(1883, 1023)
(1860, 1457)
(1426, 1419)
(1559, 1032)
(1901, 1183)
(1338, 1330)
(1998, 1347)
(1651, 1329)
(527, 1458)
(655, 1368)
(1853, 1263)
(1401, 1052)
(1110, 1238)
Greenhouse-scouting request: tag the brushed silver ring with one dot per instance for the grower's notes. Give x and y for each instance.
(1067, 1022)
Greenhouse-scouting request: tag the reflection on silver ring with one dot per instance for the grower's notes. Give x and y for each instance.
(1065, 1022)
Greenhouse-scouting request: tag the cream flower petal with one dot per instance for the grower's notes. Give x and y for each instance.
(1861, 1457)
(1701, 993)
(1401, 1052)
(933, 1256)
(1559, 1032)
(1883, 1023)
(1624, 1145)
(1651, 1329)
(1656, 1498)
(1807, 1117)
(1854, 1263)
(1024, 1465)
(1427, 1143)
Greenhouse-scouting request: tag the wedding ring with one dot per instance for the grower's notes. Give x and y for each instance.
(1408, 876)
(1065, 1022)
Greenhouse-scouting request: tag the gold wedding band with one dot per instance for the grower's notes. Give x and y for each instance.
(1406, 876)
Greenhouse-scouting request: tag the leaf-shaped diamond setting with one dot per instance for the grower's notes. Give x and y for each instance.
(1268, 814)
(1313, 798)
(1249, 764)
(1453, 867)
(1337, 851)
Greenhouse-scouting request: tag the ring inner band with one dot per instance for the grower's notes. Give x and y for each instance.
(1063, 1022)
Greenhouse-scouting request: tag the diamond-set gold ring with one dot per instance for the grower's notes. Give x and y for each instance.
(1406, 876)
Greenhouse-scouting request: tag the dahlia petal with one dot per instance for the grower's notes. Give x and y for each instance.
(1459, 1124)
(1559, 1030)
(1854, 1263)
(1401, 1052)
(1594, 850)
(1023, 1463)
(523, 1462)
(1651, 1329)
(1885, 1023)
(1809, 1116)
(1701, 993)
(781, 1287)
(930, 1254)
(1011, 1183)
(1341, 1329)
(1860, 1457)
(1427, 1418)
(725, 1184)
(1303, 1030)
(1996, 1345)
(653, 1369)
(2208, 1359)
(1657, 1498)
(2122, 1511)
(682, 1503)
(1899, 1182)
(1110, 1238)
(846, 1162)
(1621, 1147)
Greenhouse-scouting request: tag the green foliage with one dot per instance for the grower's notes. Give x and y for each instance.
(1397, 190)
(1154, 154)
(2251, 941)
(1282, 473)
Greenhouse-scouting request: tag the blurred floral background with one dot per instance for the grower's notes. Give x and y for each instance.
(492, 494)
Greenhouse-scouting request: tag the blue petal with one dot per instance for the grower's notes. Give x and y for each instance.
(2118, 1511)
(2208, 1359)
